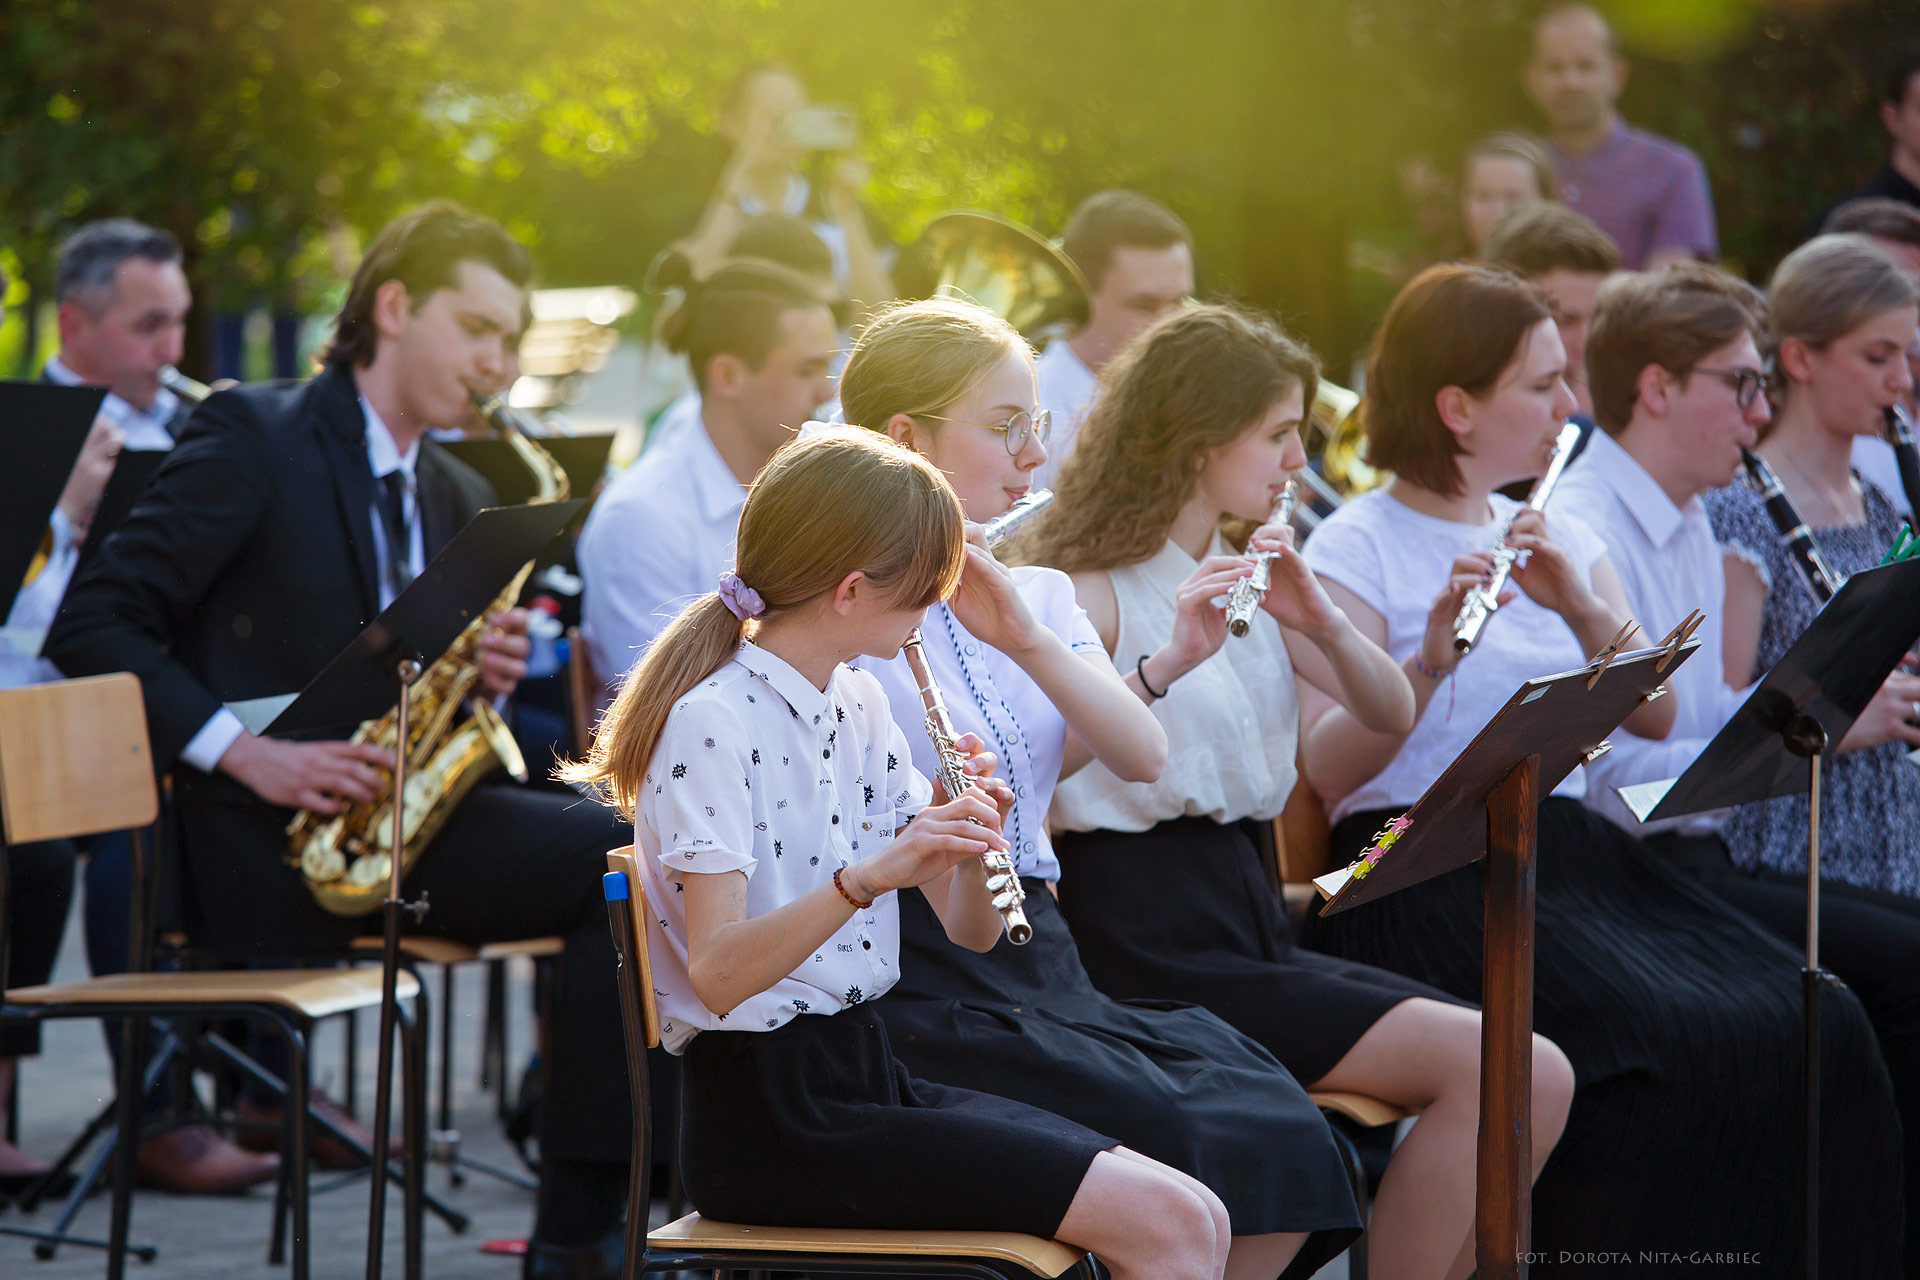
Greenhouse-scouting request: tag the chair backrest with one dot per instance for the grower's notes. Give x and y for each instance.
(624, 862)
(584, 692)
(74, 759)
(1300, 836)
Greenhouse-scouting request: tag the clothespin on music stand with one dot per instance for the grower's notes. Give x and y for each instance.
(1608, 652)
(1677, 637)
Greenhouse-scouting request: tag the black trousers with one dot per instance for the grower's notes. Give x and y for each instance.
(1869, 939)
(511, 863)
(40, 889)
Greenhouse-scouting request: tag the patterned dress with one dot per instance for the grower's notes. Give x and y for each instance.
(1870, 810)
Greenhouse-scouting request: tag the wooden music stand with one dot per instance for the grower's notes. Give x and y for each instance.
(1487, 804)
(1773, 746)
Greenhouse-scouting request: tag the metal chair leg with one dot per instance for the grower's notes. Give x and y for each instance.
(127, 1141)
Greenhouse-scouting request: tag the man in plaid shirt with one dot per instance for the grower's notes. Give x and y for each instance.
(1648, 193)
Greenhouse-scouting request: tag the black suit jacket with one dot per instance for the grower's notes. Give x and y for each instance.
(249, 561)
(244, 567)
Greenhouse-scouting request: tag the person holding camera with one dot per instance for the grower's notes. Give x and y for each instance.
(774, 134)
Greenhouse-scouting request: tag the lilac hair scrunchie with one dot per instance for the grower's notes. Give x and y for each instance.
(741, 599)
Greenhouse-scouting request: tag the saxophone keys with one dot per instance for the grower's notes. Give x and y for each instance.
(370, 871)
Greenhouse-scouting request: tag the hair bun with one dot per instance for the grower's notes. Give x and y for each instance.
(670, 269)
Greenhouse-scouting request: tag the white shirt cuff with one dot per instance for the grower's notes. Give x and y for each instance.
(215, 736)
(64, 534)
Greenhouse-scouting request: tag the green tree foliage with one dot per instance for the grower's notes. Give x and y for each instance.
(1278, 128)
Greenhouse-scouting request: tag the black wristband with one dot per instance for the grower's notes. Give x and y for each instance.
(1140, 669)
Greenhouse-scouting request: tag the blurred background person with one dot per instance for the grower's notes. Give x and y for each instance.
(1569, 258)
(1502, 172)
(1899, 177)
(1648, 193)
(1137, 257)
(775, 138)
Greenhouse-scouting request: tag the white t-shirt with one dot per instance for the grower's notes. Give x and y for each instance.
(1397, 560)
(988, 694)
(1233, 723)
(659, 536)
(1067, 388)
(1670, 565)
(758, 771)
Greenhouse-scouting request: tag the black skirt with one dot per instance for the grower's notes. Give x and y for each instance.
(816, 1124)
(1170, 1080)
(1184, 911)
(1683, 1022)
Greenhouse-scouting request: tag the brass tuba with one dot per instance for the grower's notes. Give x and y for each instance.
(346, 858)
(1000, 265)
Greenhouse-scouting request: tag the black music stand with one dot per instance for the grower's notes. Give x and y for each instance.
(1773, 747)
(1487, 804)
(42, 427)
(370, 677)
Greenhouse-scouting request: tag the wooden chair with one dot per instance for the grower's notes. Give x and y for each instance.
(584, 692)
(443, 1143)
(693, 1243)
(74, 761)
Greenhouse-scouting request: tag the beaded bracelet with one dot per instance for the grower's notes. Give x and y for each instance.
(859, 905)
(1426, 670)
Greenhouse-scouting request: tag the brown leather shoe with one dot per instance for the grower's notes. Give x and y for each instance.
(260, 1129)
(196, 1161)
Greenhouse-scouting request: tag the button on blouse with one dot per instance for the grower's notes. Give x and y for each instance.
(759, 772)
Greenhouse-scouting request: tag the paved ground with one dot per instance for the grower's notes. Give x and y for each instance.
(208, 1236)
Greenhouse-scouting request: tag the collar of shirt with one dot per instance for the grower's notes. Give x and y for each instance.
(122, 412)
(808, 703)
(793, 204)
(1616, 137)
(715, 487)
(383, 455)
(1638, 491)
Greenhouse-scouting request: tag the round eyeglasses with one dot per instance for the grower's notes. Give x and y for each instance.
(1017, 430)
(1747, 384)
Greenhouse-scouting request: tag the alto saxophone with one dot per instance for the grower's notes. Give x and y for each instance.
(1003, 880)
(345, 859)
(1245, 595)
(1484, 599)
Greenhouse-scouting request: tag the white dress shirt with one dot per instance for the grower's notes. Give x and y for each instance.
(680, 416)
(1067, 387)
(37, 602)
(1670, 565)
(1874, 459)
(658, 538)
(760, 772)
(988, 695)
(1396, 560)
(204, 749)
(1233, 722)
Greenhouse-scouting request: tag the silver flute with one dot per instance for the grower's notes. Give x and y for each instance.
(1485, 598)
(1003, 879)
(1245, 595)
(191, 390)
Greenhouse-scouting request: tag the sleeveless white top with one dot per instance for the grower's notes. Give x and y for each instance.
(1232, 722)
(1396, 559)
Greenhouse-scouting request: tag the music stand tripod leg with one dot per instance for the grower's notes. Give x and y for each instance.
(1503, 1233)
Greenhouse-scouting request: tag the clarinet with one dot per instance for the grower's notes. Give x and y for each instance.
(1245, 595)
(1899, 434)
(1483, 600)
(1003, 880)
(1795, 536)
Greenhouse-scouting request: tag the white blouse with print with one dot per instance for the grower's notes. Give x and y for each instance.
(758, 771)
(988, 694)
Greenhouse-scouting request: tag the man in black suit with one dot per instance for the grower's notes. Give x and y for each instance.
(285, 518)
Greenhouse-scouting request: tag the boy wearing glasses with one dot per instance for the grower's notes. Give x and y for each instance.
(1678, 392)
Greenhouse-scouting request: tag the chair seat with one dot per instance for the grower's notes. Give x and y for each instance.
(428, 950)
(1365, 1111)
(1042, 1257)
(312, 993)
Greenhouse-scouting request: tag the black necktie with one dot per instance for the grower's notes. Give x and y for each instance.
(399, 530)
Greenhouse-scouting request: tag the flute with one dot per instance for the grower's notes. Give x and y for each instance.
(1003, 879)
(1245, 595)
(1483, 600)
(1795, 536)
